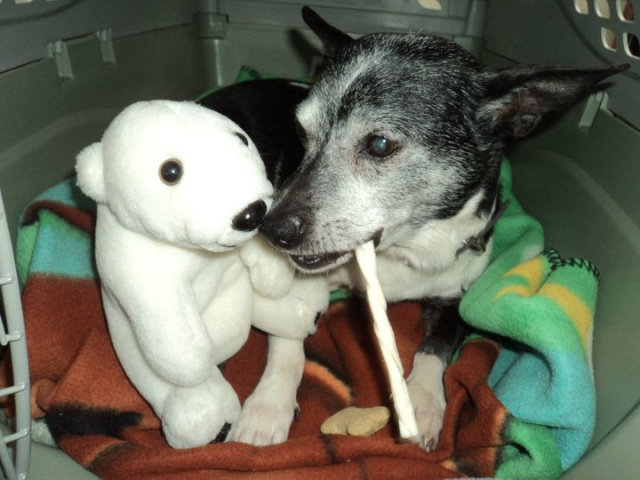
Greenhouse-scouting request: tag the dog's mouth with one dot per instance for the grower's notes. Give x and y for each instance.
(317, 262)
(326, 261)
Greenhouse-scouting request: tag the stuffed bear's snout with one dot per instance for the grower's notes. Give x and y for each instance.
(251, 217)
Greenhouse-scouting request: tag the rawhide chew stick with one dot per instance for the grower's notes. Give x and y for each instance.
(366, 257)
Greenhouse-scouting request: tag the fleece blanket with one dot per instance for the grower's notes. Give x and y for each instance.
(520, 392)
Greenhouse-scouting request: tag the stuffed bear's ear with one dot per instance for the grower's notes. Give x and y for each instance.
(518, 98)
(89, 167)
(332, 38)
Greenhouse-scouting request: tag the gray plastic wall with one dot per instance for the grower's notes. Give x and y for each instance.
(69, 66)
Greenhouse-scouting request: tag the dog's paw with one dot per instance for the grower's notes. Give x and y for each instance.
(199, 415)
(265, 419)
(429, 410)
(427, 395)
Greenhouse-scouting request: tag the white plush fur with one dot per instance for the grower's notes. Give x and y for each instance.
(181, 287)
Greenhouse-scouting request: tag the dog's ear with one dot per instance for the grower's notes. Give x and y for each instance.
(332, 38)
(518, 98)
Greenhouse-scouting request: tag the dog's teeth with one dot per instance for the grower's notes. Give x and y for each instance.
(316, 261)
(307, 260)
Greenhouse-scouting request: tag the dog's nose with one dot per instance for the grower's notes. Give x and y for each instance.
(251, 217)
(285, 233)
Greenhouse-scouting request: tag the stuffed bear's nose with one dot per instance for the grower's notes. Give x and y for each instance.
(285, 233)
(251, 217)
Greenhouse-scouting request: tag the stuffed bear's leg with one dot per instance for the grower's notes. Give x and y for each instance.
(191, 415)
(268, 412)
(195, 416)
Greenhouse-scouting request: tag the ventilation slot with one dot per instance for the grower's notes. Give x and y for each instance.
(602, 8)
(609, 39)
(625, 11)
(632, 45)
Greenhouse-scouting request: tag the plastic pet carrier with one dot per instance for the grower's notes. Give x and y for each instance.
(67, 67)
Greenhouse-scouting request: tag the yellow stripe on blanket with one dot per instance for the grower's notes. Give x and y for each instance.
(532, 272)
(579, 313)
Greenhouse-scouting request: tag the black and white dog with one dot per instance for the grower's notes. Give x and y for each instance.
(403, 136)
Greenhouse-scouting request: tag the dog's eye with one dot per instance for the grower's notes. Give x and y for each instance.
(380, 146)
(171, 171)
(242, 137)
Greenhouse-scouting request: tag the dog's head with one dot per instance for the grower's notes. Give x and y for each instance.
(402, 131)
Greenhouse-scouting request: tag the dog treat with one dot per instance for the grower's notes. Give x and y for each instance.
(366, 257)
(362, 422)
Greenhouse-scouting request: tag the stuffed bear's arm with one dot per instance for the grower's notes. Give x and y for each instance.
(167, 327)
(271, 271)
(295, 315)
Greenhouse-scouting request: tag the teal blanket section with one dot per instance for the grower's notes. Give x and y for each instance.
(62, 248)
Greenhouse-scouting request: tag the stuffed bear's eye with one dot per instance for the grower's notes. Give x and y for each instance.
(242, 137)
(379, 146)
(171, 171)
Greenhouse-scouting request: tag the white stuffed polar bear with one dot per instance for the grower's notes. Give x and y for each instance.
(181, 191)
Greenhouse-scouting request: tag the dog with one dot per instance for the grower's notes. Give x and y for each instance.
(403, 138)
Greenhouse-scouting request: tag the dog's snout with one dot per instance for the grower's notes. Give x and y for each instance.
(285, 233)
(251, 217)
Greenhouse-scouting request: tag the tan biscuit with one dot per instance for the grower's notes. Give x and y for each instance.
(362, 422)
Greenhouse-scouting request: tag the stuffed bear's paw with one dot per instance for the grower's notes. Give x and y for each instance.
(429, 404)
(294, 316)
(310, 296)
(271, 271)
(198, 415)
(265, 418)
(272, 278)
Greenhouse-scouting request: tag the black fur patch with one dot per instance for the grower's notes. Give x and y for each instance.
(265, 110)
(444, 329)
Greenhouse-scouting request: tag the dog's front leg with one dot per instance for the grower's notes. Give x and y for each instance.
(444, 331)
(268, 412)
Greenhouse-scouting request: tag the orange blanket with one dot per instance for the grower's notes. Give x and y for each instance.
(99, 419)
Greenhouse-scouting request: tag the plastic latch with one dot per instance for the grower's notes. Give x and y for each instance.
(596, 101)
(106, 46)
(60, 53)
